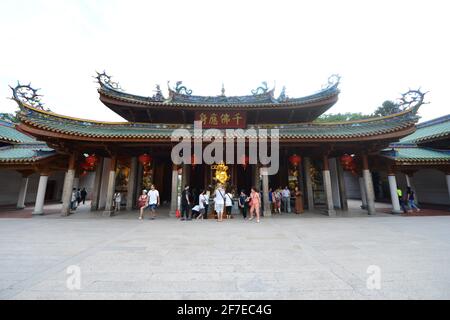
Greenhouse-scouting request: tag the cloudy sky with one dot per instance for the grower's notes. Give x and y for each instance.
(380, 48)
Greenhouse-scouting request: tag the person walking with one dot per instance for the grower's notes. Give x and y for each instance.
(219, 202)
(83, 195)
(298, 201)
(186, 204)
(277, 200)
(271, 199)
(243, 204)
(202, 200)
(228, 204)
(400, 200)
(142, 203)
(117, 201)
(411, 200)
(153, 201)
(78, 196)
(73, 199)
(207, 196)
(255, 203)
(286, 194)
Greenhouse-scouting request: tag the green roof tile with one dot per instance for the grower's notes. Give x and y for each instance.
(9, 134)
(435, 129)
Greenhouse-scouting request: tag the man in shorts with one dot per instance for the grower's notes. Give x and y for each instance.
(153, 201)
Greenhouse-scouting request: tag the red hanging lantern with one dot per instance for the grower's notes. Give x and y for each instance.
(145, 159)
(346, 160)
(92, 160)
(85, 166)
(245, 160)
(295, 160)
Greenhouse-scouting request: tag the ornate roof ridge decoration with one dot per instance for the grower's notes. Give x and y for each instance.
(412, 100)
(105, 81)
(26, 95)
(183, 96)
(8, 119)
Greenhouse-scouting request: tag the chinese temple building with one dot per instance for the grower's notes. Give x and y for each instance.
(128, 156)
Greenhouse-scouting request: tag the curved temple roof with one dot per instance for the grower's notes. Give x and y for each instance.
(39, 122)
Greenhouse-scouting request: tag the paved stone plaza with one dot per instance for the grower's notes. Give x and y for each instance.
(284, 257)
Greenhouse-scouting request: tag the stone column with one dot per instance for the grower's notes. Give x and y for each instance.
(111, 187)
(64, 186)
(40, 197)
(265, 186)
(393, 189)
(327, 186)
(68, 186)
(342, 189)
(174, 192)
(363, 193)
(97, 184)
(368, 185)
(309, 188)
(22, 192)
(131, 196)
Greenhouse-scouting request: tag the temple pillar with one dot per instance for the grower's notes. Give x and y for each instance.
(68, 186)
(342, 189)
(328, 188)
(131, 184)
(40, 197)
(362, 190)
(393, 190)
(368, 185)
(97, 185)
(22, 192)
(111, 187)
(265, 189)
(174, 191)
(309, 188)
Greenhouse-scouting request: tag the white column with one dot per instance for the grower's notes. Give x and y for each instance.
(174, 193)
(22, 193)
(131, 184)
(64, 186)
(394, 195)
(265, 185)
(328, 188)
(40, 197)
(363, 193)
(97, 185)
(309, 188)
(368, 184)
(111, 188)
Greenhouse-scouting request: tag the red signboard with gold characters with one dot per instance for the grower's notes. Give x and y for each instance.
(222, 119)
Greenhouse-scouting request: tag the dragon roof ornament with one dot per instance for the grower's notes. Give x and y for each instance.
(26, 94)
(412, 99)
(261, 89)
(104, 80)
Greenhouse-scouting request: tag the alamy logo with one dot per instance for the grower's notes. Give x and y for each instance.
(213, 153)
(73, 281)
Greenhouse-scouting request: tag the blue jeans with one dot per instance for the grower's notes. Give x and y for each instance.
(412, 205)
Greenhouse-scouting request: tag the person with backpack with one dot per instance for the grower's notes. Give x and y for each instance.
(411, 200)
(228, 204)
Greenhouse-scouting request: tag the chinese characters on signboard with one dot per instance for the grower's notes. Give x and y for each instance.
(222, 119)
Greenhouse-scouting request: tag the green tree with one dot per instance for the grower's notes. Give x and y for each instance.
(342, 117)
(388, 107)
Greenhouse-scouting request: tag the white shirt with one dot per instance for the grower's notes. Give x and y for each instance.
(220, 194)
(196, 208)
(153, 196)
(201, 201)
(118, 197)
(286, 193)
(228, 201)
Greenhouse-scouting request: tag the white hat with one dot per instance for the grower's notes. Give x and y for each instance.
(145, 191)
